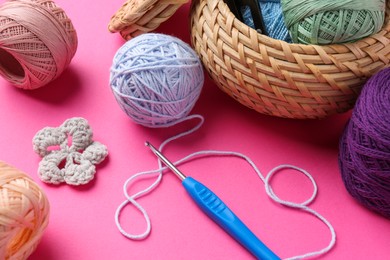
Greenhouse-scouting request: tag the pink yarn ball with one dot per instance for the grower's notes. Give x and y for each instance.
(37, 42)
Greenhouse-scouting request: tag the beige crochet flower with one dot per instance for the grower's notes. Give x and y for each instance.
(68, 152)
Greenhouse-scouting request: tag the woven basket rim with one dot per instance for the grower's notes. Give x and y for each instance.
(132, 11)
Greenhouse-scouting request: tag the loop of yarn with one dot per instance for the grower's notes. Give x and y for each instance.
(364, 156)
(332, 21)
(37, 42)
(70, 143)
(131, 199)
(24, 213)
(156, 79)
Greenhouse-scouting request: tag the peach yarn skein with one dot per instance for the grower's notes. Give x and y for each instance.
(37, 42)
(24, 213)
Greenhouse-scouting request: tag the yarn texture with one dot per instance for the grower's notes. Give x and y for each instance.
(364, 156)
(24, 213)
(71, 142)
(332, 21)
(156, 79)
(37, 42)
(271, 10)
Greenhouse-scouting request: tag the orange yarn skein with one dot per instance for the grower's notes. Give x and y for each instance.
(24, 213)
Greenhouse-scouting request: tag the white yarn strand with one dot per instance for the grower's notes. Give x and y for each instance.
(131, 199)
(301, 206)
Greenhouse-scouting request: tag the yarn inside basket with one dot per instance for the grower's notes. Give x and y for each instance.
(37, 42)
(332, 21)
(24, 213)
(156, 79)
(271, 11)
(364, 156)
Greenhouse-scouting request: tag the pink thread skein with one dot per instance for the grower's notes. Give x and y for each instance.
(37, 42)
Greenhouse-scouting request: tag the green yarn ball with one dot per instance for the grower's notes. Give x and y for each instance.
(332, 21)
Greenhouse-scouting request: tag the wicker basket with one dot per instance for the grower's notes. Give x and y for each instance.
(135, 17)
(281, 79)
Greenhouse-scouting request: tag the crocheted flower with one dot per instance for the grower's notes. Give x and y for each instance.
(68, 152)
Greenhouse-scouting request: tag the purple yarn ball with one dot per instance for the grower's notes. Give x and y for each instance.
(364, 155)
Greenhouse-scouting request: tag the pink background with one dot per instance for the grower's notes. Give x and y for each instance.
(82, 218)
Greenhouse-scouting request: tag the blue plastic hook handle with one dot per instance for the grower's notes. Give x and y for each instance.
(217, 210)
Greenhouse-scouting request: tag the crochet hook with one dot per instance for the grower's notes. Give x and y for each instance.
(219, 212)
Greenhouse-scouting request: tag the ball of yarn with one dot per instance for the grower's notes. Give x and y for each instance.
(24, 213)
(364, 156)
(271, 11)
(156, 79)
(332, 21)
(37, 42)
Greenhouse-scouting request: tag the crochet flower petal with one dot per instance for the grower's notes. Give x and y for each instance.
(78, 171)
(46, 138)
(80, 132)
(49, 170)
(95, 153)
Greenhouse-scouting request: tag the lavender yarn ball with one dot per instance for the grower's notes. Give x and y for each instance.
(364, 156)
(156, 79)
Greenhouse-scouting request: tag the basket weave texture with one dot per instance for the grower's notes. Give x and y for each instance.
(135, 17)
(280, 79)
